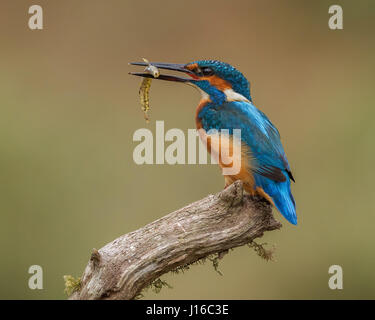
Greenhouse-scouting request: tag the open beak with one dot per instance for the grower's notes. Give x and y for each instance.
(166, 66)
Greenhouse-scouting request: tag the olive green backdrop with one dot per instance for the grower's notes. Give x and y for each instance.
(69, 110)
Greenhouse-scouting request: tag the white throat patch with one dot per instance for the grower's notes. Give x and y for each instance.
(234, 96)
(230, 94)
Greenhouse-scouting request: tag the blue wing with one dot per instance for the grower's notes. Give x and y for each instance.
(268, 160)
(257, 132)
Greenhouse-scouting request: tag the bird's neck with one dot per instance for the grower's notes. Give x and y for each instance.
(215, 96)
(202, 103)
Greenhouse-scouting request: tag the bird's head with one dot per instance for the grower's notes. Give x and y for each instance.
(217, 81)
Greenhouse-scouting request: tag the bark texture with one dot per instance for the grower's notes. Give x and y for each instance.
(213, 225)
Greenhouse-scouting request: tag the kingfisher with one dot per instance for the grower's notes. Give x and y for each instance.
(226, 103)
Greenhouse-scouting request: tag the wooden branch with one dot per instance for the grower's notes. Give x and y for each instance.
(215, 224)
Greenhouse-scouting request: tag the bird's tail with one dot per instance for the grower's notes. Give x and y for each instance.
(281, 196)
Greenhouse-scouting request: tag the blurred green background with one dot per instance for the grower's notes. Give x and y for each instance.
(69, 110)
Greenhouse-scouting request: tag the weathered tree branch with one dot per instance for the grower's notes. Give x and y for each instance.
(122, 268)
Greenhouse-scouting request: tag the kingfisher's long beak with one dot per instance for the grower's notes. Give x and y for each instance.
(166, 66)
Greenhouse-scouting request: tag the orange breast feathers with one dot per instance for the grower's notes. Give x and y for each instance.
(201, 105)
(232, 156)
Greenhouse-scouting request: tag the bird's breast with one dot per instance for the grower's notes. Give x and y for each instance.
(234, 161)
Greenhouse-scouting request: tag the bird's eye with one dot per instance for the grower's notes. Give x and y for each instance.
(207, 71)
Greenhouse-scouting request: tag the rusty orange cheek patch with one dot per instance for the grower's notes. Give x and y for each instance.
(217, 82)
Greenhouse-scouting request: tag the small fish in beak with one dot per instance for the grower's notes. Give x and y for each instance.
(144, 90)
